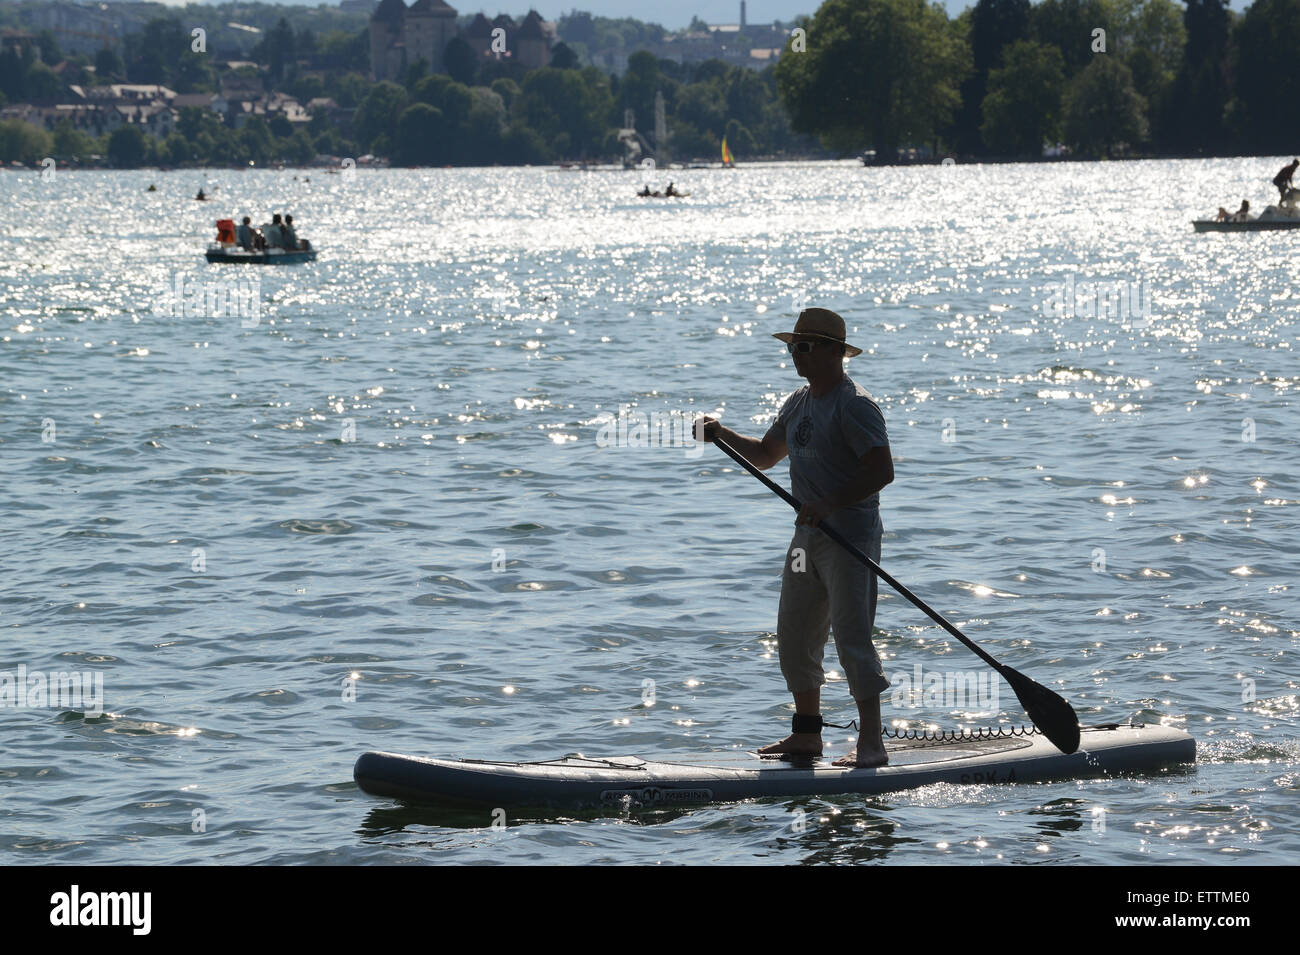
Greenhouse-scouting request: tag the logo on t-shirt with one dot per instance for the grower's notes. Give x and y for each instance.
(803, 433)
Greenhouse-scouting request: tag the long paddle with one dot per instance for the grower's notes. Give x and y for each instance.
(1047, 710)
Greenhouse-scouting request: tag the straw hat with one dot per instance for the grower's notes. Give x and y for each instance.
(820, 323)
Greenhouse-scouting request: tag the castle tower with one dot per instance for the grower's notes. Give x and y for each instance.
(386, 60)
(533, 42)
(430, 26)
(479, 35)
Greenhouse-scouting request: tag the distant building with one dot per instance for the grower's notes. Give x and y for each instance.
(401, 36)
(18, 42)
(533, 41)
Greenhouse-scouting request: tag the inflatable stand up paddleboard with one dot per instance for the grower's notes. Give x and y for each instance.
(1004, 755)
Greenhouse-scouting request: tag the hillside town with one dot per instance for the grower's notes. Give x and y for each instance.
(75, 70)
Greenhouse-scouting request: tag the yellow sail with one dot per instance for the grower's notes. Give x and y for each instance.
(727, 159)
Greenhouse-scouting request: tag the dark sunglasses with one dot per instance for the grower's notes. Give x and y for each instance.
(802, 348)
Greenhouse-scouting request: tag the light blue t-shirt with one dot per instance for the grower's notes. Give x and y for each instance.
(825, 438)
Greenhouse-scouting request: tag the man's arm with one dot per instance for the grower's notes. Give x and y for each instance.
(875, 470)
(763, 452)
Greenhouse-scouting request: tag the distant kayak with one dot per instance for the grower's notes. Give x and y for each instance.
(972, 757)
(229, 253)
(657, 195)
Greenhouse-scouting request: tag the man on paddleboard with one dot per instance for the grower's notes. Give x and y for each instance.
(835, 436)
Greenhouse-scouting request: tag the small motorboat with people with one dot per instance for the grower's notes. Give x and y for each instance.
(274, 244)
(1285, 215)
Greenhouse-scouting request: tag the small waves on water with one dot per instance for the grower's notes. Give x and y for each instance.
(377, 513)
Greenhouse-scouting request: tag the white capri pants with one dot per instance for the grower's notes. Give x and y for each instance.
(834, 592)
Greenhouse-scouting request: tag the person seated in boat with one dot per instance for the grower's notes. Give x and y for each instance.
(274, 233)
(1242, 214)
(244, 234)
(670, 191)
(1223, 215)
(645, 190)
(201, 197)
(1283, 179)
(290, 233)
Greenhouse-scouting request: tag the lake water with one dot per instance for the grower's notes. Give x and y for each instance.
(379, 475)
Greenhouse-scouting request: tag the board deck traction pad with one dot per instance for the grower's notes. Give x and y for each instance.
(1005, 754)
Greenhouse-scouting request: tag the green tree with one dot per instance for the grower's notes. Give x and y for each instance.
(299, 149)
(415, 72)
(72, 143)
(347, 51)
(108, 65)
(485, 127)
(566, 108)
(461, 61)
(1023, 106)
(254, 143)
(1268, 76)
(378, 112)
(431, 89)
(421, 135)
(23, 142)
(739, 139)
(50, 52)
(563, 57)
(453, 101)
(1068, 25)
(151, 53)
(127, 147)
(177, 149)
(280, 126)
(638, 88)
(42, 84)
(746, 96)
(279, 49)
(507, 89)
(194, 120)
(993, 26)
(1102, 110)
(878, 72)
(1152, 48)
(522, 145)
(704, 106)
(347, 90)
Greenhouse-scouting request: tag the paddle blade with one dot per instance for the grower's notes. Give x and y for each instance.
(1049, 711)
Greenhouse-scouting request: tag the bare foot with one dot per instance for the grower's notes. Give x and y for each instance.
(796, 744)
(863, 758)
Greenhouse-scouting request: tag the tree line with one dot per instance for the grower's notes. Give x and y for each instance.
(1104, 77)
